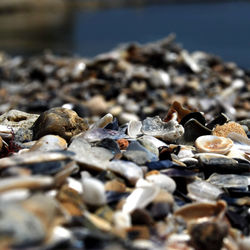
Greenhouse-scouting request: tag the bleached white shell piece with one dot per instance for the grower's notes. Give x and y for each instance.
(105, 120)
(162, 181)
(134, 128)
(121, 219)
(203, 191)
(213, 144)
(156, 142)
(22, 182)
(169, 131)
(144, 194)
(127, 169)
(93, 192)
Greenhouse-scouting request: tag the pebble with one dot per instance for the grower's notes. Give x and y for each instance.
(59, 121)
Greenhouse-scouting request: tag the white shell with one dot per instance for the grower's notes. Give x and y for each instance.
(162, 181)
(134, 128)
(127, 169)
(144, 194)
(213, 144)
(121, 219)
(93, 192)
(203, 191)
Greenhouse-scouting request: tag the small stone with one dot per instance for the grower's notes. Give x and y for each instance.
(20, 122)
(123, 143)
(59, 121)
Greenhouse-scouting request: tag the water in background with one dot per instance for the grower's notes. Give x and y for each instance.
(217, 28)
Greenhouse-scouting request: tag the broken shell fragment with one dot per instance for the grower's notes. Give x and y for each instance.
(162, 181)
(93, 192)
(168, 131)
(134, 128)
(127, 169)
(213, 144)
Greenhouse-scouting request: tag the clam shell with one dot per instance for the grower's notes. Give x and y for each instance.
(162, 181)
(228, 180)
(134, 128)
(144, 194)
(105, 120)
(127, 169)
(93, 192)
(213, 144)
(202, 211)
(203, 191)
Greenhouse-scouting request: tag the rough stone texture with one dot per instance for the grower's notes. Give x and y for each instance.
(59, 121)
(20, 122)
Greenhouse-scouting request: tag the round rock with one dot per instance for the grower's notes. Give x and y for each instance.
(59, 121)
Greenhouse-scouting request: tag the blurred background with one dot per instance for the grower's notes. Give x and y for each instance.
(89, 27)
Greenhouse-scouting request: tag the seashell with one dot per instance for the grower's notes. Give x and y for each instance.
(49, 142)
(99, 134)
(193, 129)
(67, 170)
(158, 165)
(162, 181)
(34, 157)
(115, 186)
(175, 172)
(121, 220)
(149, 146)
(202, 211)
(134, 128)
(96, 158)
(219, 120)
(14, 195)
(185, 152)
(113, 125)
(20, 227)
(227, 128)
(139, 154)
(30, 182)
(144, 193)
(203, 191)
(93, 192)
(176, 107)
(104, 121)
(221, 164)
(213, 144)
(168, 131)
(240, 142)
(109, 144)
(228, 180)
(151, 139)
(193, 115)
(98, 222)
(128, 170)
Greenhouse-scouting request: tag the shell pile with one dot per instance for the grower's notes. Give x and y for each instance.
(150, 184)
(146, 147)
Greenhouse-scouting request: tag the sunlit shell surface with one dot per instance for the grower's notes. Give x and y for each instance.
(213, 144)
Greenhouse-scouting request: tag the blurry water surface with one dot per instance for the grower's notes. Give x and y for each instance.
(218, 28)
